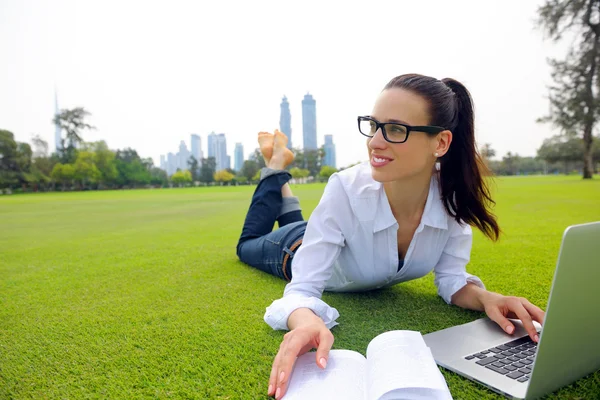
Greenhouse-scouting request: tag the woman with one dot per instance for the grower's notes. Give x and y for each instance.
(407, 211)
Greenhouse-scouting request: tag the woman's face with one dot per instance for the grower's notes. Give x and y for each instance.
(396, 161)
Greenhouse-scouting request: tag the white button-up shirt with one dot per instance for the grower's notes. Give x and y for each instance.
(351, 244)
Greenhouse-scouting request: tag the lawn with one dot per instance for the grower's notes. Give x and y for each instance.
(139, 294)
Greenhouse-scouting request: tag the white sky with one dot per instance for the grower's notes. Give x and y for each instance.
(151, 73)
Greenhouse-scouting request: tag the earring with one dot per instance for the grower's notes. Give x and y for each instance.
(436, 154)
(437, 166)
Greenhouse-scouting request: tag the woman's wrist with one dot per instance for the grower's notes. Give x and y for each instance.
(302, 316)
(472, 297)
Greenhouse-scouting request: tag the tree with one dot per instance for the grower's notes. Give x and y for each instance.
(327, 171)
(132, 169)
(8, 159)
(181, 177)
(223, 176)
(73, 122)
(85, 170)
(258, 157)
(208, 169)
(299, 173)
(63, 174)
(40, 146)
(249, 169)
(158, 176)
(511, 162)
(487, 152)
(574, 96)
(312, 160)
(105, 162)
(567, 151)
(194, 170)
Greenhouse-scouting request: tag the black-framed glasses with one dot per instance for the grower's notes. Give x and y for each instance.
(393, 132)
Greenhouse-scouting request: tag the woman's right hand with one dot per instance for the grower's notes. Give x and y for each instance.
(308, 332)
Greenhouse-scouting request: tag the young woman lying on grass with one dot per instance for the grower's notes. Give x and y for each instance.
(407, 211)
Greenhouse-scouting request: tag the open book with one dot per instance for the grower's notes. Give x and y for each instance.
(399, 365)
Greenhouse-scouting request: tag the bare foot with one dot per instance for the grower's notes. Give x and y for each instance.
(282, 156)
(265, 142)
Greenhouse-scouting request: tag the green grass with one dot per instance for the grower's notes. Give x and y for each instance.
(139, 294)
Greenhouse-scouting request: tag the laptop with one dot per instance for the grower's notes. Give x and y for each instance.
(569, 349)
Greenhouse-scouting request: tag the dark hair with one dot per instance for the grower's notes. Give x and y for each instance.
(465, 193)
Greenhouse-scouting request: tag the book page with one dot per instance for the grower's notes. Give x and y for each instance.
(344, 377)
(401, 362)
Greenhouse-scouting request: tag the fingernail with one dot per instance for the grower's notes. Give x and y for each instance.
(510, 329)
(536, 338)
(281, 376)
(277, 393)
(323, 362)
(270, 389)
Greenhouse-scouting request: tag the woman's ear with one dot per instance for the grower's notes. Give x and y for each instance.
(443, 141)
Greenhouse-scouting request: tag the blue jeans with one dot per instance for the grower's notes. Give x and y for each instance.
(261, 247)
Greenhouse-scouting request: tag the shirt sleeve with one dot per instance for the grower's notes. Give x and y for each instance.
(450, 272)
(312, 264)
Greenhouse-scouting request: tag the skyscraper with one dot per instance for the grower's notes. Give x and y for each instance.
(220, 151)
(211, 144)
(285, 121)
(329, 151)
(238, 157)
(309, 122)
(183, 156)
(171, 164)
(197, 147)
(57, 130)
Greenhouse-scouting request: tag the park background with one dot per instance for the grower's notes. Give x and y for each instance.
(119, 275)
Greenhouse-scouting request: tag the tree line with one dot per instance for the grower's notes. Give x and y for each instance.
(80, 165)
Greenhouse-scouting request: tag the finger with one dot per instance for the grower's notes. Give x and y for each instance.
(518, 308)
(289, 352)
(273, 376)
(496, 316)
(325, 342)
(536, 313)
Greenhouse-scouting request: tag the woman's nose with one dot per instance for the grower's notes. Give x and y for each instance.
(377, 141)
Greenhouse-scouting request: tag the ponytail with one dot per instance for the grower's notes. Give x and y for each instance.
(465, 192)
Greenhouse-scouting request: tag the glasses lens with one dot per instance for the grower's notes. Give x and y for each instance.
(367, 127)
(396, 133)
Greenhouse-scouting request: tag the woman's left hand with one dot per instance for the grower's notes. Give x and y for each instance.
(499, 308)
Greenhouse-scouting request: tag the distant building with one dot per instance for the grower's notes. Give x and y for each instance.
(183, 156)
(238, 157)
(163, 162)
(171, 164)
(219, 150)
(210, 145)
(309, 122)
(285, 120)
(329, 152)
(196, 144)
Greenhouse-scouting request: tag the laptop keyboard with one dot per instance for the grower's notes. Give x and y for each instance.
(513, 359)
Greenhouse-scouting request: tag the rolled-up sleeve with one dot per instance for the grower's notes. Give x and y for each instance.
(450, 272)
(312, 264)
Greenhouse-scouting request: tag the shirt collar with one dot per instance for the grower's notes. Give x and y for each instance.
(434, 214)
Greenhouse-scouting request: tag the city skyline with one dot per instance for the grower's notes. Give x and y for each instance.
(217, 143)
(99, 70)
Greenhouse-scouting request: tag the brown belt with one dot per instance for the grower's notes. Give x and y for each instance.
(287, 256)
